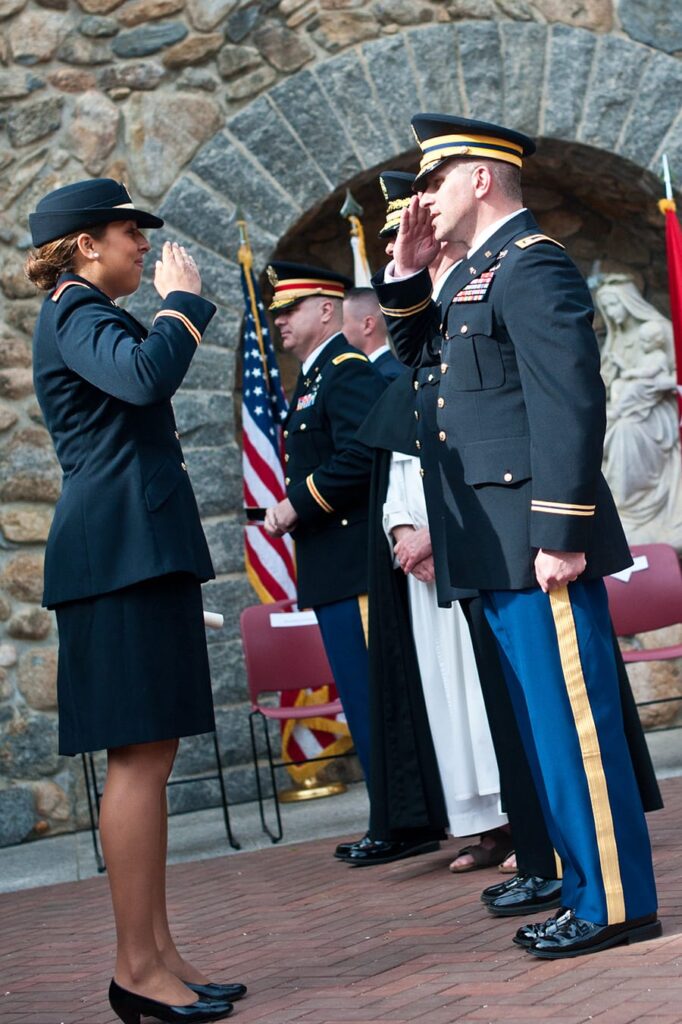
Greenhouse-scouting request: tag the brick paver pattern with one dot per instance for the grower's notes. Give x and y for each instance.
(318, 942)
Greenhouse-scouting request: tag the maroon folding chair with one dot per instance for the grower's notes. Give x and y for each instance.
(280, 658)
(650, 598)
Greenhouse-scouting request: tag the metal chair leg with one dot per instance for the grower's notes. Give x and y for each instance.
(94, 821)
(259, 788)
(223, 796)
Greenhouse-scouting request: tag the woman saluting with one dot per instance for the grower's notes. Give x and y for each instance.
(125, 557)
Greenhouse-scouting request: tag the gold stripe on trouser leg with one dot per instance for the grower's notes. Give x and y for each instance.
(588, 739)
(363, 605)
(559, 865)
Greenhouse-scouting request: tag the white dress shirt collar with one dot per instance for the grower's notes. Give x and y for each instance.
(305, 366)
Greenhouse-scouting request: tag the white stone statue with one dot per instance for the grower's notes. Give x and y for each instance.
(642, 460)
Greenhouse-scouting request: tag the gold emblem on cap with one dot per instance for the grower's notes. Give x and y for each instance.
(272, 276)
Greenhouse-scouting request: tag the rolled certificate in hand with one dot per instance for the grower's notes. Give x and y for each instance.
(213, 620)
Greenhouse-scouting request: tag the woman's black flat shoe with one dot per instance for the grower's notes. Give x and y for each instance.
(129, 1007)
(230, 992)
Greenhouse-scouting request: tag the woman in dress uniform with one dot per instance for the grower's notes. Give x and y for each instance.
(125, 557)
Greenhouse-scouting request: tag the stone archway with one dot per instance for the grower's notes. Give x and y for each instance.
(596, 103)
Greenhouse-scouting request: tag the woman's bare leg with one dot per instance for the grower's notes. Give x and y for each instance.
(165, 943)
(130, 826)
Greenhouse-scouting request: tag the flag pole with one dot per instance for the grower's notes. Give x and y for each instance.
(245, 259)
(352, 211)
(673, 240)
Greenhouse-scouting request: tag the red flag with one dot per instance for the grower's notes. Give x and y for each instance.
(673, 244)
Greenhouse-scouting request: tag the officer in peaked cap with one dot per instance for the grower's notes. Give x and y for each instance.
(328, 480)
(530, 521)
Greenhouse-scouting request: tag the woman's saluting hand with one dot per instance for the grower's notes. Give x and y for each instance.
(176, 271)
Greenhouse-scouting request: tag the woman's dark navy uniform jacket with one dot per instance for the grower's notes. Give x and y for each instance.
(127, 511)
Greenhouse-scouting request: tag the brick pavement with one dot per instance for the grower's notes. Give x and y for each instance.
(320, 943)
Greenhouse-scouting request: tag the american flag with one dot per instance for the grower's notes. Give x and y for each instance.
(270, 564)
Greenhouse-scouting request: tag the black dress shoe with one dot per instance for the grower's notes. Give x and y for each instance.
(529, 933)
(573, 936)
(343, 849)
(230, 992)
(380, 852)
(128, 1006)
(530, 893)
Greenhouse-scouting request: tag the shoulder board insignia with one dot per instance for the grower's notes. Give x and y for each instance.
(349, 355)
(523, 243)
(58, 292)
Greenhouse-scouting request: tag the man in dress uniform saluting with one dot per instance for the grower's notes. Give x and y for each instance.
(327, 482)
(530, 521)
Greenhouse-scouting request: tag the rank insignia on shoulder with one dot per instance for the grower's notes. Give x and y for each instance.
(523, 243)
(349, 355)
(477, 289)
(58, 292)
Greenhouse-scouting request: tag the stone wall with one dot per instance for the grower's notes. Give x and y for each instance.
(203, 106)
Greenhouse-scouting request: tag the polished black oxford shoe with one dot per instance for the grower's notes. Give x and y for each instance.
(524, 894)
(380, 852)
(129, 1007)
(529, 933)
(343, 849)
(573, 936)
(229, 992)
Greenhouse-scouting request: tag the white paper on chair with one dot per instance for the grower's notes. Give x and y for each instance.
(286, 619)
(640, 562)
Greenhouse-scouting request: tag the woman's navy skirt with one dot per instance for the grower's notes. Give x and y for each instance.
(133, 666)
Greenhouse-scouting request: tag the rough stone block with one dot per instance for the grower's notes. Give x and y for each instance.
(211, 370)
(226, 542)
(571, 52)
(204, 418)
(93, 130)
(29, 746)
(71, 80)
(250, 84)
(33, 121)
(233, 733)
(480, 59)
(655, 22)
(390, 68)
(268, 139)
(10, 7)
(139, 11)
(22, 577)
(29, 470)
(229, 597)
(35, 35)
(234, 60)
(344, 81)
(143, 76)
(338, 29)
(198, 78)
(225, 167)
(200, 214)
(163, 133)
(436, 58)
(76, 49)
(98, 27)
(16, 382)
(656, 107)
(300, 100)
(216, 478)
(241, 22)
(613, 89)
(206, 14)
(523, 65)
(26, 524)
(8, 416)
(196, 756)
(228, 674)
(99, 6)
(38, 678)
(17, 815)
(30, 624)
(285, 50)
(140, 42)
(14, 84)
(192, 50)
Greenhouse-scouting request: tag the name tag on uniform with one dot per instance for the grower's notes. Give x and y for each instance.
(476, 290)
(305, 401)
